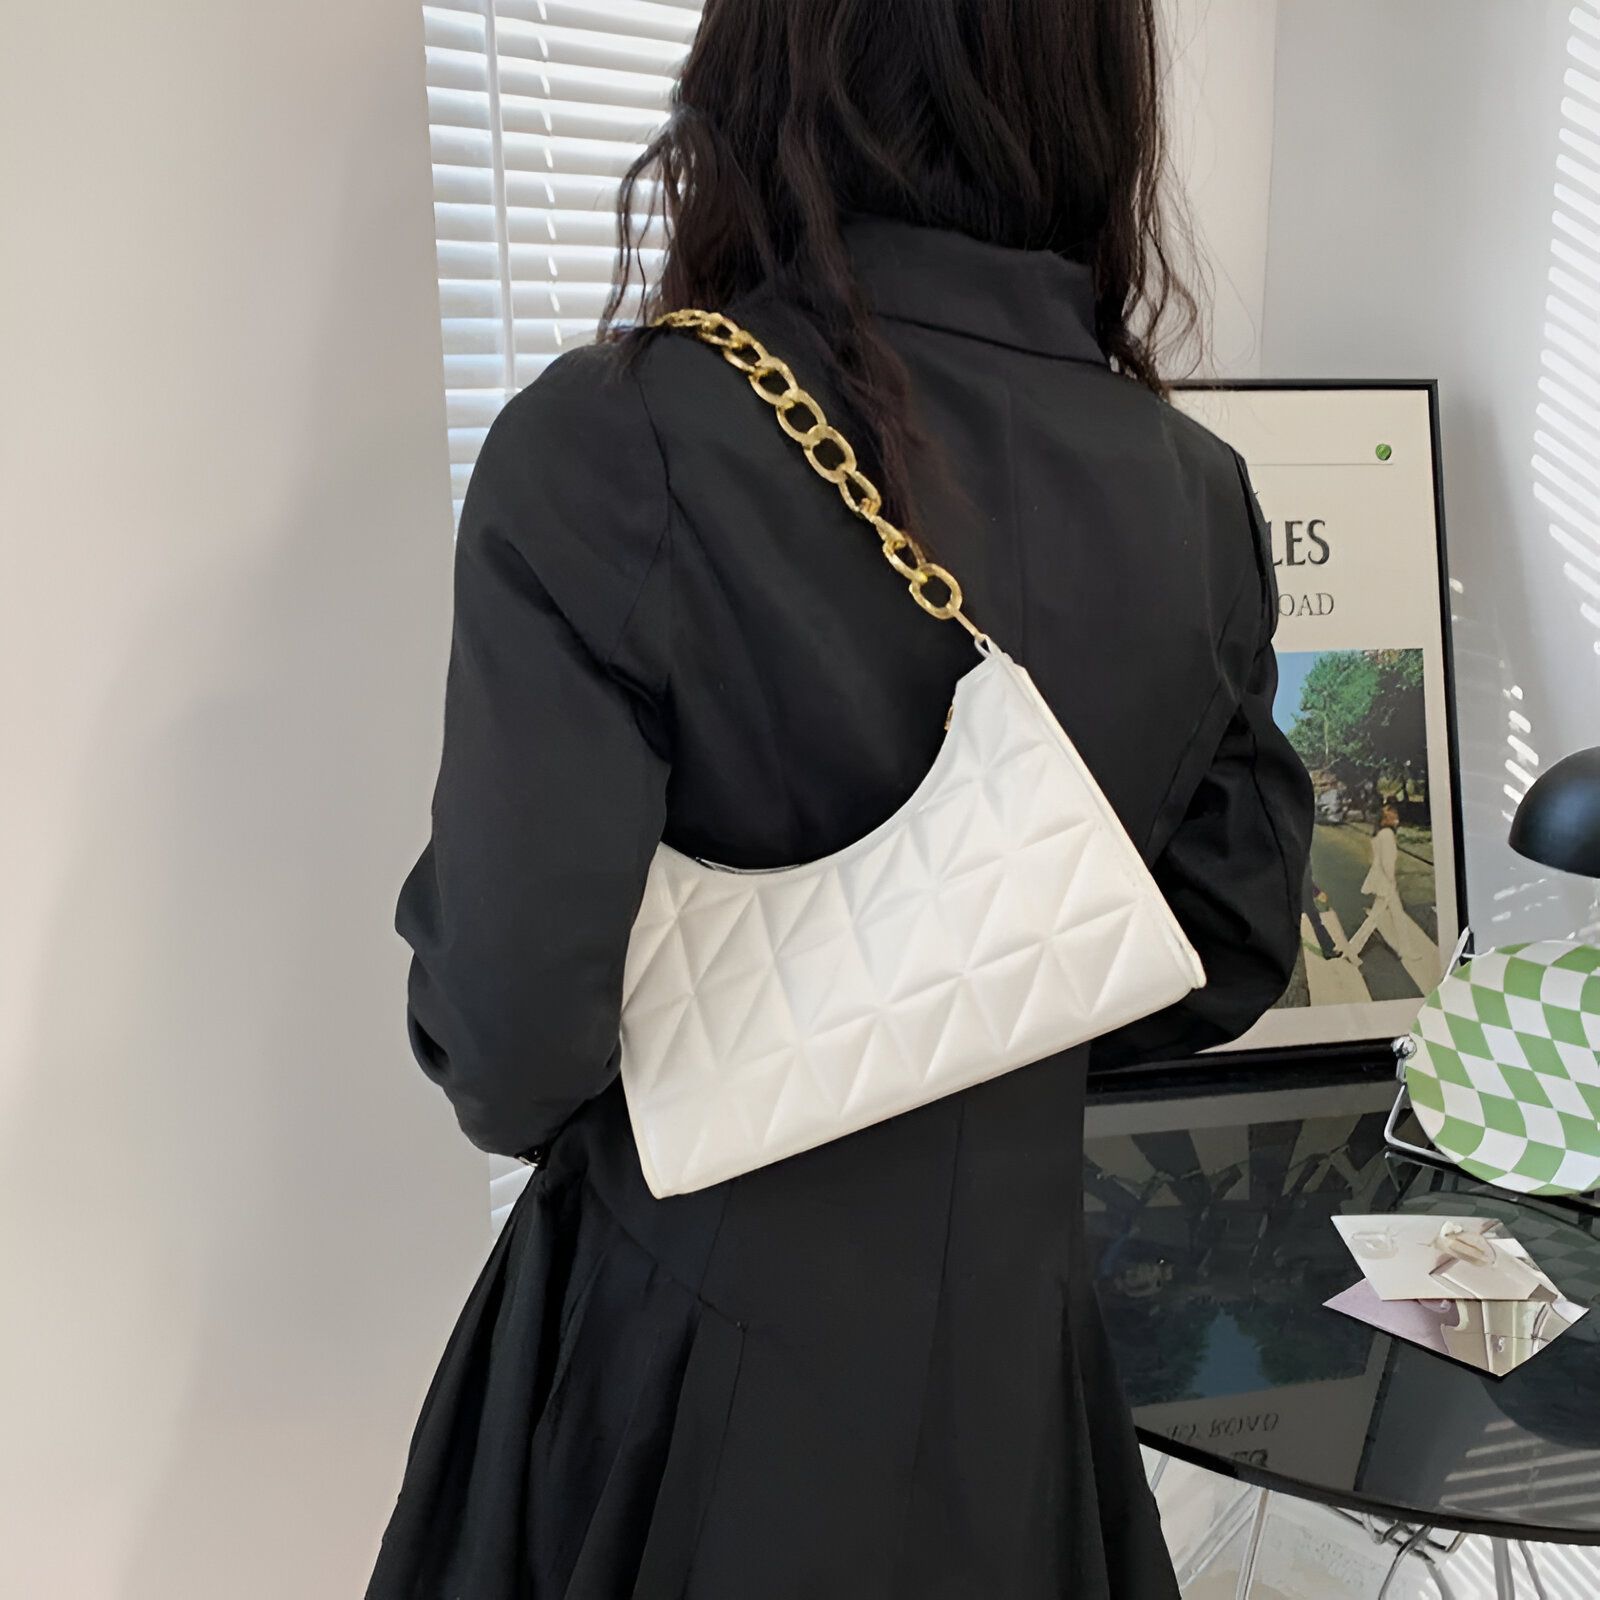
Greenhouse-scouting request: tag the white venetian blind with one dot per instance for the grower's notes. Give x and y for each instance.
(535, 110)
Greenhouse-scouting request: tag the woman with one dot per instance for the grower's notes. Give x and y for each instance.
(877, 1369)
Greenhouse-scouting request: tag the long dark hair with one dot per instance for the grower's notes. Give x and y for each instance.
(1030, 123)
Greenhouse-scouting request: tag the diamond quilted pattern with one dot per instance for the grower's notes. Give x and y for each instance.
(1517, 1106)
(999, 916)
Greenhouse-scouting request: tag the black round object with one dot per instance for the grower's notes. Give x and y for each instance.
(1558, 822)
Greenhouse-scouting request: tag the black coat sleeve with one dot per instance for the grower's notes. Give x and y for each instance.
(551, 792)
(1234, 868)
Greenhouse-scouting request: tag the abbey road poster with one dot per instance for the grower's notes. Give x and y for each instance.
(1346, 478)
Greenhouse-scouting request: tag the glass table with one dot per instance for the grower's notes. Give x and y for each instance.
(1209, 1235)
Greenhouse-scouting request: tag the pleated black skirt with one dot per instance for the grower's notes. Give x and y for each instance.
(872, 1373)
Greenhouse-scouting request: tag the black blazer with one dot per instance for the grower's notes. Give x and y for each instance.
(666, 625)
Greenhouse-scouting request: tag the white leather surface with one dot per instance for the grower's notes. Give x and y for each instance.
(1002, 914)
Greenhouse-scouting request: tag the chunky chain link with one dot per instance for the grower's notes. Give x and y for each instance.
(803, 420)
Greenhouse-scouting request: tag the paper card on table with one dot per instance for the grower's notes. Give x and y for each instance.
(1493, 1336)
(1414, 1256)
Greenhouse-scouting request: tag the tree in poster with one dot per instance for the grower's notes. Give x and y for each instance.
(1361, 720)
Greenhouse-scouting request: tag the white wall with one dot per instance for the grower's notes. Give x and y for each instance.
(235, 1223)
(1220, 114)
(1412, 196)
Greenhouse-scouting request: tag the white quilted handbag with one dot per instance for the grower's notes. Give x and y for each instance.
(999, 916)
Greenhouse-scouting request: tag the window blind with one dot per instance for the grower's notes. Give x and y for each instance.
(536, 108)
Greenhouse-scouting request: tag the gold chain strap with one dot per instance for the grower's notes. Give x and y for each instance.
(743, 350)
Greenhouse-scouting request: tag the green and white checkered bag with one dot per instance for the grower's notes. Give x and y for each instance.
(1505, 1078)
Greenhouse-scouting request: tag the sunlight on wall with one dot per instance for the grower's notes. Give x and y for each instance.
(1566, 461)
(1566, 439)
(1535, 895)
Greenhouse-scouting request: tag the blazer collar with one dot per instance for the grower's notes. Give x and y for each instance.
(1028, 299)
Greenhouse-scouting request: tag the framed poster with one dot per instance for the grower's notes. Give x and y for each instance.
(1348, 478)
